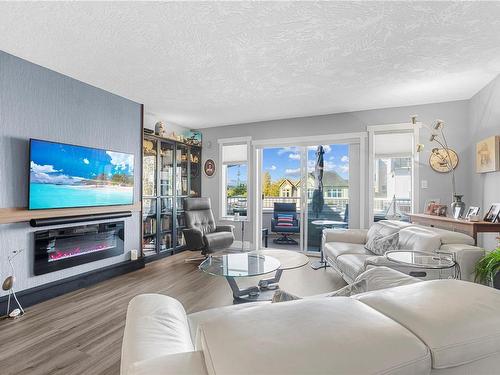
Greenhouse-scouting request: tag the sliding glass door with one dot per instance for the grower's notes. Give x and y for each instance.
(311, 185)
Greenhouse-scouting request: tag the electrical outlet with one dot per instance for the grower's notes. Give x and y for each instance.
(424, 184)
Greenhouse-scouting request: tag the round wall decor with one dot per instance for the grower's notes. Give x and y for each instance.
(209, 167)
(441, 160)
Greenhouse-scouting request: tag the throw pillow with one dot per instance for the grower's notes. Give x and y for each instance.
(380, 245)
(282, 296)
(350, 290)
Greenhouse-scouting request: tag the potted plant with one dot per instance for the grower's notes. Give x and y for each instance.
(488, 269)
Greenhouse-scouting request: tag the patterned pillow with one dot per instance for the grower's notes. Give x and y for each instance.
(380, 245)
(282, 296)
(350, 290)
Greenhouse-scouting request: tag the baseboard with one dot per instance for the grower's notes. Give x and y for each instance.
(32, 296)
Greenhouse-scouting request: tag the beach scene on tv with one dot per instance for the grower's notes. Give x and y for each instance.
(63, 176)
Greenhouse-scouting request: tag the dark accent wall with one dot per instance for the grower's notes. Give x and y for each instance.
(36, 102)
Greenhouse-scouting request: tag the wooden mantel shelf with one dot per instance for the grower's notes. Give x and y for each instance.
(472, 228)
(21, 214)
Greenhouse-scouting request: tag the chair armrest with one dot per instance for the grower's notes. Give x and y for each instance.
(225, 228)
(466, 257)
(194, 238)
(344, 235)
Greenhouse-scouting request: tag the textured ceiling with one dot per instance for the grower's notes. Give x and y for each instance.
(207, 64)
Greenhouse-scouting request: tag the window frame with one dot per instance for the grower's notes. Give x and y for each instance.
(388, 129)
(223, 215)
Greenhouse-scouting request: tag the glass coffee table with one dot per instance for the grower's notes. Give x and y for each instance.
(424, 260)
(256, 263)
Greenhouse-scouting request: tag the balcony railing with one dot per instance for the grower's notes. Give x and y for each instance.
(239, 203)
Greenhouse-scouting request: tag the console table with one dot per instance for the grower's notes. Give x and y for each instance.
(470, 228)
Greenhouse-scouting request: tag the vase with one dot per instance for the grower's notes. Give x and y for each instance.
(457, 207)
(496, 281)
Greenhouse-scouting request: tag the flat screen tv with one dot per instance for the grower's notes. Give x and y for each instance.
(65, 176)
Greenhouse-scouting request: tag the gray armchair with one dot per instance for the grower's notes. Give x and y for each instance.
(202, 233)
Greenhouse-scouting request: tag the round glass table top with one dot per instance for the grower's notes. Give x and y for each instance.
(288, 259)
(239, 265)
(421, 259)
(328, 222)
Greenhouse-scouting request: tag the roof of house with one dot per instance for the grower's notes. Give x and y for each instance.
(330, 178)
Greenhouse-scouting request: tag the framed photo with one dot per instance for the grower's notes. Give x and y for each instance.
(429, 205)
(493, 213)
(209, 167)
(488, 155)
(472, 211)
(441, 209)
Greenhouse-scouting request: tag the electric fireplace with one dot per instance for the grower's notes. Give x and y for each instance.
(56, 249)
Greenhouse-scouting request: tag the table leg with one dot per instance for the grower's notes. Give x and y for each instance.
(237, 292)
(271, 283)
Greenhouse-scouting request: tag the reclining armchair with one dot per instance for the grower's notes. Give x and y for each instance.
(285, 223)
(202, 233)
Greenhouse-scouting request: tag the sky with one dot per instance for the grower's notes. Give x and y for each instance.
(285, 162)
(67, 164)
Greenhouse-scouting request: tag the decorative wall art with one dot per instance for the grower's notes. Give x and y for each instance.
(209, 168)
(488, 155)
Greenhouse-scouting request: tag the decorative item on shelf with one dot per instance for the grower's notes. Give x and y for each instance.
(442, 159)
(149, 147)
(488, 155)
(429, 205)
(209, 168)
(160, 129)
(472, 213)
(488, 268)
(457, 207)
(194, 138)
(8, 285)
(493, 214)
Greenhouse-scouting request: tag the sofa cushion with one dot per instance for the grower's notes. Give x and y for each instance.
(383, 277)
(382, 244)
(459, 321)
(195, 319)
(334, 249)
(298, 337)
(352, 265)
(153, 320)
(418, 238)
(450, 237)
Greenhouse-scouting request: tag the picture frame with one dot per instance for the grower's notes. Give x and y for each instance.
(472, 211)
(209, 168)
(488, 155)
(493, 213)
(429, 205)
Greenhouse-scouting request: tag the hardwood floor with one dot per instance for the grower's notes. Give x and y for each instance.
(81, 332)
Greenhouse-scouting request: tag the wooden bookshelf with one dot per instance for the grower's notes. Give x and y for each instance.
(22, 214)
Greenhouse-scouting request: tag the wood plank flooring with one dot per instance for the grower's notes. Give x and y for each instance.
(81, 332)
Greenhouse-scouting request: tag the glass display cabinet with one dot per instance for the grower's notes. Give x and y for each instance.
(171, 172)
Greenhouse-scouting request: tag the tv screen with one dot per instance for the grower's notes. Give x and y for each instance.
(64, 176)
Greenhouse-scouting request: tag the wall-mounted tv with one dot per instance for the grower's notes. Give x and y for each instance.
(65, 176)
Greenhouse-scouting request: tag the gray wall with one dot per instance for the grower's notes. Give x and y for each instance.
(455, 114)
(484, 121)
(38, 103)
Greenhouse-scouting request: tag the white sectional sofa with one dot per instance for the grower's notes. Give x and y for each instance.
(431, 327)
(344, 249)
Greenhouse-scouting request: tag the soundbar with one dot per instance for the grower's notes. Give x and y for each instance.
(45, 222)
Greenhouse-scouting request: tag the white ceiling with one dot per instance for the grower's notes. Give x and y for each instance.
(208, 64)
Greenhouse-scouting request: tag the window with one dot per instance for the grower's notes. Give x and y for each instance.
(393, 175)
(235, 172)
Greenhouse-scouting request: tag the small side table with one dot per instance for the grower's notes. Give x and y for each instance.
(424, 260)
(316, 265)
